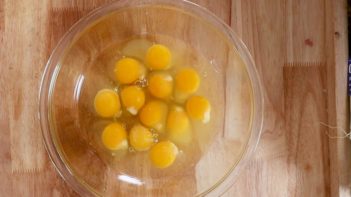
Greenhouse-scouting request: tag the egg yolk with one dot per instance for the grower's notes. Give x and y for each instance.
(198, 108)
(158, 57)
(163, 154)
(140, 138)
(160, 85)
(178, 126)
(187, 81)
(106, 103)
(133, 98)
(114, 137)
(127, 70)
(153, 114)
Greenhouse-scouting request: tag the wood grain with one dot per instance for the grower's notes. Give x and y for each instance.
(23, 68)
(2, 14)
(300, 52)
(63, 18)
(302, 33)
(306, 31)
(305, 104)
(261, 25)
(343, 147)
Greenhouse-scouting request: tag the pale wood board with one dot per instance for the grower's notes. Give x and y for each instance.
(300, 50)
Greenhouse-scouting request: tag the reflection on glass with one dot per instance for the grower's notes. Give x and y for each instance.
(130, 180)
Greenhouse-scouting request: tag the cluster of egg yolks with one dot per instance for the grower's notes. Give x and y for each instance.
(198, 108)
(153, 114)
(114, 137)
(158, 57)
(140, 138)
(160, 85)
(163, 154)
(178, 126)
(106, 103)
(133, 98)
(128, 70)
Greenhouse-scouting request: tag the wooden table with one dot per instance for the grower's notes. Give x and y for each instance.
(300, 49)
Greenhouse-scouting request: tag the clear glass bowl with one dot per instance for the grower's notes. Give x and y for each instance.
(239, 104)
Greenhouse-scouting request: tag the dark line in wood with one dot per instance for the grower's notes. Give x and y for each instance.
(2, 18)
(304, 64)
(230, 13)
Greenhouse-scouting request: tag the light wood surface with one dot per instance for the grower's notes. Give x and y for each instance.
(300, 50)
